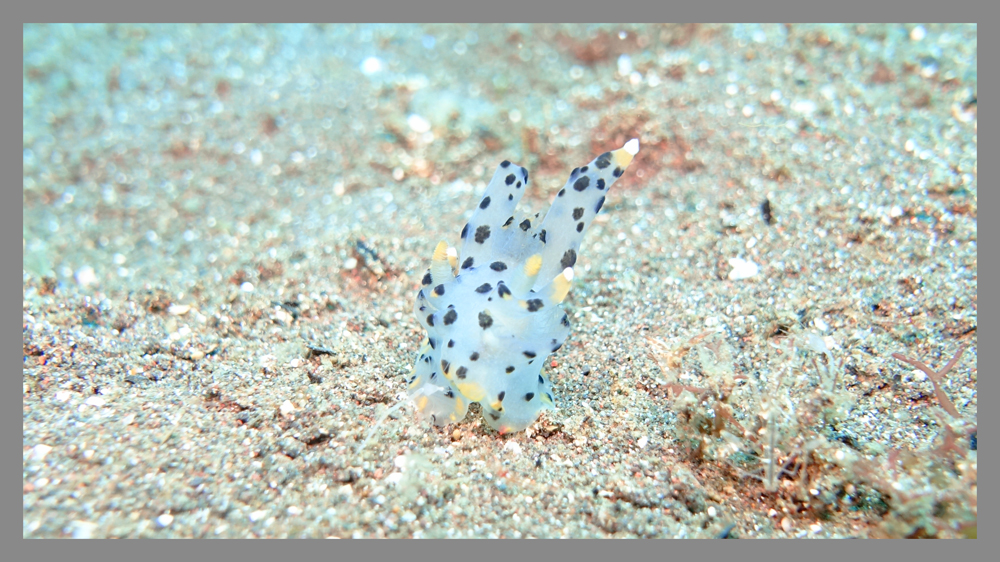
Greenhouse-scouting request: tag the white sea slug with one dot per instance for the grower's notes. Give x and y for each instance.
(492, 311)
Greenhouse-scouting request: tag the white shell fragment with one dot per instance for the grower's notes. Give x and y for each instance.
(742, 269)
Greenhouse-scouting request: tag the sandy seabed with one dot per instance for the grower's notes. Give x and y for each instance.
(225, 228)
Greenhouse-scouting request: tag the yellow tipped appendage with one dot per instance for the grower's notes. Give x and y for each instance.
(561, 285)
(453, 260)
(441, 267)
(623, 156)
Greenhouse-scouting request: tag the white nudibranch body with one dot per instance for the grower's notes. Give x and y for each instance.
(492, 311)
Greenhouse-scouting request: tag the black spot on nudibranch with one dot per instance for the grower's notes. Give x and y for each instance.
(509, 220)
(482, 233)
(535, 304)
(445, 365)
(505, 163)
(525, 172)
(565, 321)
(484, 288)
(465, 230)
(439, 290)
(525, 224)
(432, 343)
(600, 203)
(485, 320)
(451, 343)
(574, 172)
(568, 259)
(582, 183)
(529, 396)
(518, 185)
(541, 380)
(510, 197)
(617, 172)
(461, 372)
(579, 227)
(541, 236)
(494, 416)
(449, 393)
(501, 395)
(427, 280)
(510, 179)
(529, 354)
(467, 263)
(510, 369)
(498, 266)
(450, 317)
(584, 169)
(430, 320)
(485, 203)
(561, 193)
(603, 161)
(556, 348)
(600, 183)
(502, 290)
(577, 213)
(474, 356)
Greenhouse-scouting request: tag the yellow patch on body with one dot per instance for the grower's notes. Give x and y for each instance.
(474, 392)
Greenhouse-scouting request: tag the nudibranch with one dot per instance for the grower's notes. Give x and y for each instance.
(492, 310)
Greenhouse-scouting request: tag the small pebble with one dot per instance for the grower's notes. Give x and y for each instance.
(165, 520)
(742, 269)
(39, 451)
(83, 529)
(86, 276)
(418, 124)
(371, 65)
(513, 447)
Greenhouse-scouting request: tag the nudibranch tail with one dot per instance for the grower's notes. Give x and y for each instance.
(492, 310)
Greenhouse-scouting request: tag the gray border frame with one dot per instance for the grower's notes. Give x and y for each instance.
(461, 11)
